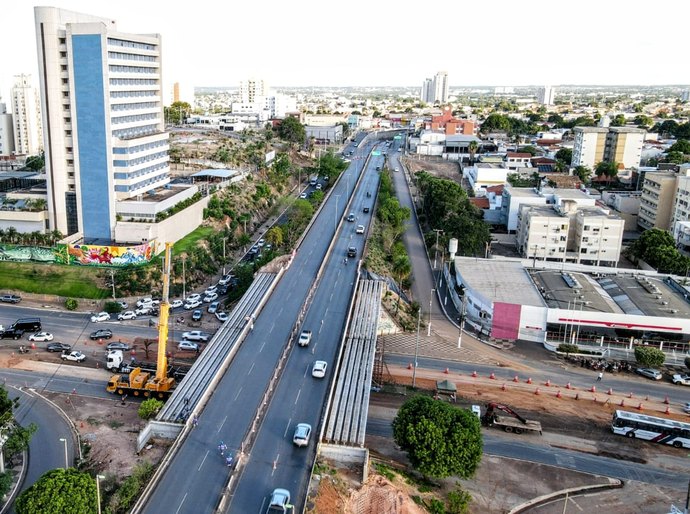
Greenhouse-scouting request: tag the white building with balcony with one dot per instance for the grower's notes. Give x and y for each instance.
(103, 124)
(483, 175)
(26, 114)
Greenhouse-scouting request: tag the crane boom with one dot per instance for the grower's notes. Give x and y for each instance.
(162, 361)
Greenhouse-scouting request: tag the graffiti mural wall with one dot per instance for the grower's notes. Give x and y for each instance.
(96, 255)
(26, 253)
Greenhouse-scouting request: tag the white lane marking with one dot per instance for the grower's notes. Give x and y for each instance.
(200, 465)
(238, 393)
(298, 393)
(287, 427)
(250, 369)
(262, 346)
(223, 423)
(181, 503)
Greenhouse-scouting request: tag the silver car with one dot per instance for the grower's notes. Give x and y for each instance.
(302, 433)
(654, 374)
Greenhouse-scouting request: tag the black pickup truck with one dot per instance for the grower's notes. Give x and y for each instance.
(11, 333)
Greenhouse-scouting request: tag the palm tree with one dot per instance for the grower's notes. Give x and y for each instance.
(473, 147)
(11, 234)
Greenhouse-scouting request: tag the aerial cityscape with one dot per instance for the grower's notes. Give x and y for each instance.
(301, 275)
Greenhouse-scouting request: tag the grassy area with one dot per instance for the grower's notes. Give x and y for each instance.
(189, 241)
(67, 281)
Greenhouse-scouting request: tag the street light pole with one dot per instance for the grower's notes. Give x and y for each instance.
(416, 349)
(184, 281)
(98, 491)
(335, 217)
(64, 442)
(462, 320)
(431, 299)
(437, 230)
(224, 240)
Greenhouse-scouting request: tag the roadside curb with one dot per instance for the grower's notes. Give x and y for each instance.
(614, 483)
(11, 496)
(75, 432)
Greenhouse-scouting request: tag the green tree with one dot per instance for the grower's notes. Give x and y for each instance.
(440, 440)
(19, 439)
(565, 155)
(66, 491)
(35, 162)
(674, 157)
(656, 247)
(649, 357)
(496, 122)
(682, 146)
(532, 150)
(643, 120)
(5, 483)
(583, 173)
(177, 112)
(292, 131)
(606, 169)
(618, 120)
(149, 408)
(71, 304)
(274, 235)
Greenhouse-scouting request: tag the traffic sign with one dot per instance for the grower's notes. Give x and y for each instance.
(376, 153)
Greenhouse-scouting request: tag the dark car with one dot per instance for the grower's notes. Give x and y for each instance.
(196, 315)
(10, 298)
(352, 252)
(366, 209)
(58, 347)
(103, 333)
(11, 333)
(117, 345)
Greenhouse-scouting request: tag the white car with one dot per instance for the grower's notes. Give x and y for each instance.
(176, 303)
(225, 280)
(127, 315)
(195, 335)
(210, 297)
(193, 297)
(211, 290)
(222, 316)
(213, 307)
(319, 369)
(147, 301)
(41, 336)
(188, 345)
(302, 433)
(261, 242)
(304, 338)
(303, 195)
(143, 311)
(73, 356)
(360, 229)
(193, 304)
(101, 316)
(123, 304)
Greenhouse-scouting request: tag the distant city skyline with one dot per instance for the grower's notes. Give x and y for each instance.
(304, 43)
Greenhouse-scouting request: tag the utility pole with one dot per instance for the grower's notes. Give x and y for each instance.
(184, 281)
(416, 349)
(224, 240)
(462, 319)
(112, 280)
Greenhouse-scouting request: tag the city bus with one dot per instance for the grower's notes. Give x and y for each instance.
(650, 428)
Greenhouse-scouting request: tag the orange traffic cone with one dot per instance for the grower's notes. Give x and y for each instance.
(409, 366)
(568, 386)
(639, 407)
(536, 391)
(503, 387)
(593, 389)
(630, 395)
(492, 376)
(558, 394)
(668, 410)
(622, 403)
(474, 374)
(529, 380)
(547, 383)
(516, 379)
(666, 400)
(610, 391)
(446, 371)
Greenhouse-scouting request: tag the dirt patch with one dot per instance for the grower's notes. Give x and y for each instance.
(108, 429)
(437, 167)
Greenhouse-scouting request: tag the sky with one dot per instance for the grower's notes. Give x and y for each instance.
(386, 43)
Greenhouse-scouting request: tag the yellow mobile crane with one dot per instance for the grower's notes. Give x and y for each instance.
(142, 383)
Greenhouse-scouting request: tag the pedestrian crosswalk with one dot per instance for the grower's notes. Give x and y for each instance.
(433, 347)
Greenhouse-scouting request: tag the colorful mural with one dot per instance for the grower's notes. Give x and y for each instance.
(96, 255)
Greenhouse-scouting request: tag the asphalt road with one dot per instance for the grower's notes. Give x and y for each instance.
(620, 383)
(195, 479)
(519, 447)
(299, 398)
